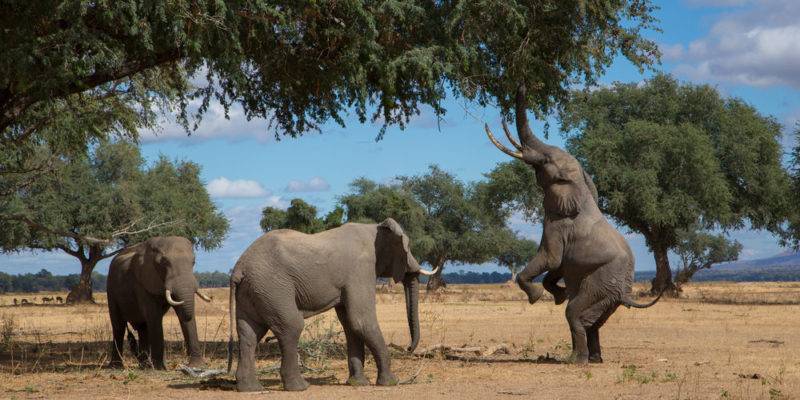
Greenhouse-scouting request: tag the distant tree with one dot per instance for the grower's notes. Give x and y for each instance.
(441, 215)
(516, 254)
(666, 156)
(510, 187)
(92, 207)
(700, 250)
(300, 216)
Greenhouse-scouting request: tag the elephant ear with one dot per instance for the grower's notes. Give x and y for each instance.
(396, 249)
(146, 271)
(590, 185)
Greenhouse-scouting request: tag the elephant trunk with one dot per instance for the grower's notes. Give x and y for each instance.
(185, 313)
(411, 288)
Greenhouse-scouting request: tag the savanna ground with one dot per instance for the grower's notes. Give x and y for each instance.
(721, 340)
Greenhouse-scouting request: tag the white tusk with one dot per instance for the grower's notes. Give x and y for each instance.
(202, 296)
(428, 273)
(171, 302)
(515, 154)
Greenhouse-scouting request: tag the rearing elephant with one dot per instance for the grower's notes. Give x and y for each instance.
(286, 276)
(143, 282)
(578, 244)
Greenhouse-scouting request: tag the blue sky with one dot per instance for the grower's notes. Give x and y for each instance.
(748, 49)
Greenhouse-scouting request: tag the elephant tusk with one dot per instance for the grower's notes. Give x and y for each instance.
(171, 302)
(428, 273)
(202, 296)
(515, 154)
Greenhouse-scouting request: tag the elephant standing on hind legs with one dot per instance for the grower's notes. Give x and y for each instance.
(286, 276)
(578, 244)
(144, 281)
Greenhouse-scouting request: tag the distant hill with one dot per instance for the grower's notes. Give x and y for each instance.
(784, 267)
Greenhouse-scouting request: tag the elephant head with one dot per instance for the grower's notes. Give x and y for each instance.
(568, 189)
(166, 271)
(394, 260)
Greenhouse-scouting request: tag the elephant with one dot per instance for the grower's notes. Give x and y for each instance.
(144, 281)
(578, 244)
(286, 276)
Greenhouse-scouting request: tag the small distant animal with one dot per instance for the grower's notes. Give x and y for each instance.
(15, 302)
(47, 300)
(24, 301)
(59, 299)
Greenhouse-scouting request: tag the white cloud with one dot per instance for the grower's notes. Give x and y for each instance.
(757, 45)
(316, 184)
(241, 188)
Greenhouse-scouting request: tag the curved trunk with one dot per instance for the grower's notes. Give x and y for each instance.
(411, 288)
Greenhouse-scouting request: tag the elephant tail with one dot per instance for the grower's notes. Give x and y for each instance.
(627, 302)
(232, 316)
(134, 345)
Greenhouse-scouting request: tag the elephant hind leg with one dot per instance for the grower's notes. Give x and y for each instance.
(593, 333)
(578, 309)
(250, 333)
(355, 350)
(288, 329)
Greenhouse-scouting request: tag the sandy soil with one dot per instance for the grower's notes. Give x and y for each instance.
(722, 340)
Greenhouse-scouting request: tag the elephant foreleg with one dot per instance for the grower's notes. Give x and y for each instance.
(118, 329)
(550, 284)
(355, 350)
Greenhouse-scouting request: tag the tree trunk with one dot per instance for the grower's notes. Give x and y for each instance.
(663, 280)
(436, 281)
(82, 292)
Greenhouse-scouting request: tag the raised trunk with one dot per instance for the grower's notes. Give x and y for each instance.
(663, 280)
(411, 288)
(436, 281)
(82, 292)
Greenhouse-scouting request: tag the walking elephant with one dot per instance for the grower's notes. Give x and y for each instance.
(578, 244)
(286, 276)
(144, 281)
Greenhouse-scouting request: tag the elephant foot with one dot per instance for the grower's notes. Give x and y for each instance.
(358, 380)
(387, 379)
(197, 362)
(576, 358)
(534, 292)
(595, 359)
(115, 364)
(248, 385)
(559, 296)
(295, 384)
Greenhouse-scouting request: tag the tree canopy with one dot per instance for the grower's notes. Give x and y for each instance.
(300, 216)
(665, 156)
(92, 207)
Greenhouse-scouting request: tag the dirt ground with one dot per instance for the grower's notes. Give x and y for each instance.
(721, 340)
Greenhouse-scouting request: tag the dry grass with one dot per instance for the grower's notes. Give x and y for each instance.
(723, 340)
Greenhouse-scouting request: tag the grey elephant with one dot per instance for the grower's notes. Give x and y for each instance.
(578, 244)
(286, 276)
(144, 281)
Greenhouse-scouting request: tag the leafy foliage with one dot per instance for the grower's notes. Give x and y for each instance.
(92, 207)
(665, 156)
(300, 216)
(700, 250)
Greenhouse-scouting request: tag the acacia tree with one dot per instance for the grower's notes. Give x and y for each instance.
(516, 254)
(75, 72)
(300, 216)
(667, 156)
(701, 250)
(439, 213)
(92, 207)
